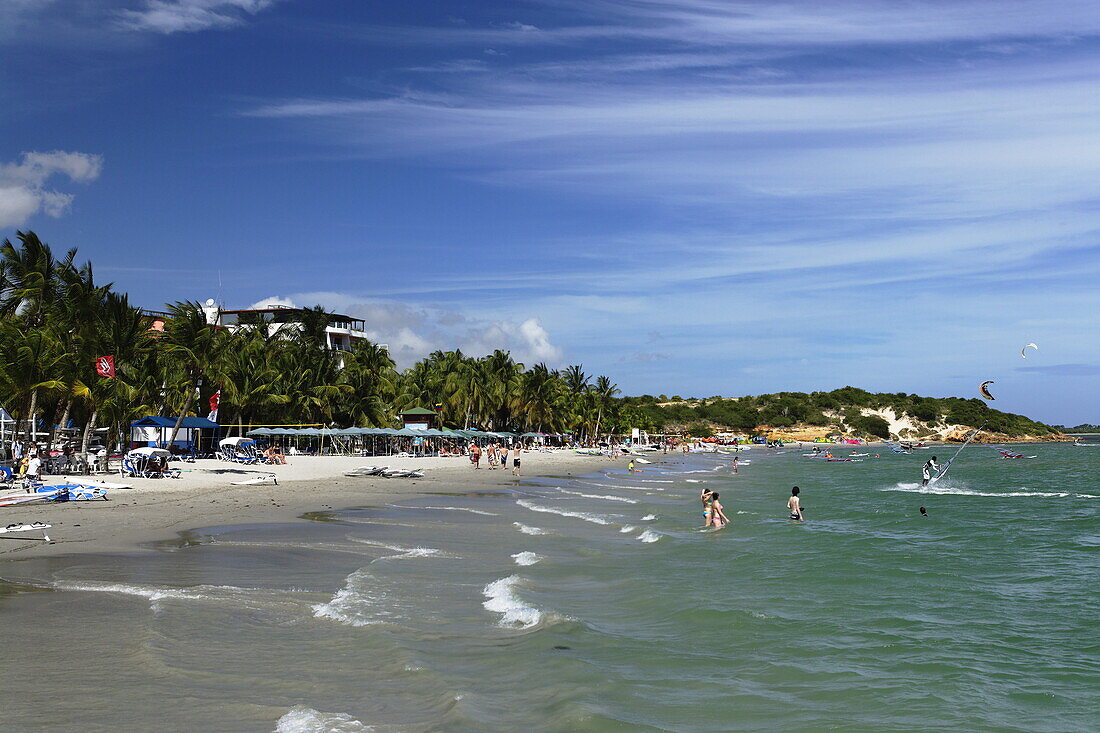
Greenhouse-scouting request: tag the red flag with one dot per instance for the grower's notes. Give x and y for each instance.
(215, 400)
(105, 366)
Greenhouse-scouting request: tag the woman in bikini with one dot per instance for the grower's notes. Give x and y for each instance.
(718, 518)
(705, 497)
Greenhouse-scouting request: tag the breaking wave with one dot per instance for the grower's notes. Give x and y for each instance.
(526, 558)
(649, 536)
(599, 496)
(307, 720)
(593, 518)
(528, 530)
(502, 598)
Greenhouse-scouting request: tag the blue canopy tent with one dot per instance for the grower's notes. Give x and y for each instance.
(155, 430)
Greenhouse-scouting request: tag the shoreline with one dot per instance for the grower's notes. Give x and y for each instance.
(158, 509)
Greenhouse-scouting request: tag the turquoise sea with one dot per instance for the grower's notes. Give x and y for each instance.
(596, 604)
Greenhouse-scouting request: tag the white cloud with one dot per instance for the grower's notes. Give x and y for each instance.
(188, 16)
(274, 302)
(413, 331)
(23, 191)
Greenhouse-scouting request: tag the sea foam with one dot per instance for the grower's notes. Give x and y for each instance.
(502, 598)
(526, 558)
(649, 536)
(307, 720)
(528, 530)
(155, 594)
(953, 491)
(593, 518)
(599, 496)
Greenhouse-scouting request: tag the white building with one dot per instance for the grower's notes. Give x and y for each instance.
(340, 335)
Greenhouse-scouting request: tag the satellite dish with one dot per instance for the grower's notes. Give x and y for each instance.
(209, 302)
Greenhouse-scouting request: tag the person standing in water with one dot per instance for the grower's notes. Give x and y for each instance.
(794, 504)
(718, 518)
(929, 469)
(736, 460)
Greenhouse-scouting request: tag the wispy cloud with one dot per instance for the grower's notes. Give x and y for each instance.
(188, 16)
(24, 189)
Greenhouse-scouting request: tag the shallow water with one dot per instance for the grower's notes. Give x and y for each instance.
(596, 604)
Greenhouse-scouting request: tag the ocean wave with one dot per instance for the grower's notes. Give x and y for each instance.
(599, 496)
(155, 594)
(359, 603)
(455, 509)
(953, 491)
(627, 528)
(501, 598)
(526, 558)
(649, 517)
(620, 486)
(402, 552)
(418, 552)
(528, 530)
(301, 719)
(649, 536)
(593, 518)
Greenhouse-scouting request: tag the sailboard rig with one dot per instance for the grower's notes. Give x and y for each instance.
(947, 466)
(1006, 453)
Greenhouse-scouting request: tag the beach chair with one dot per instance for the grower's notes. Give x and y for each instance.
(129, 467)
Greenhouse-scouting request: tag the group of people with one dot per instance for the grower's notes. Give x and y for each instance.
(27, 459)
(274, 455)
(714, 516)
(496, 455)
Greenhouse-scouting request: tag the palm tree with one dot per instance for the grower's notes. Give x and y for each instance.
(30, 366)
(605, 391)
(192, 345)
(576, 381)
(370, 372)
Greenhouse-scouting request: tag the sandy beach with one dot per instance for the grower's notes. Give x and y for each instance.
(203, 496)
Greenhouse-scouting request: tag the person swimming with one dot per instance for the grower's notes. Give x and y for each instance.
(923, 512)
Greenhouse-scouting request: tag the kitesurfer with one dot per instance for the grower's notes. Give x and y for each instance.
(929, 470)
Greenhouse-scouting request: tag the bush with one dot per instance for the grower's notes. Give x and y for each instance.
(871, 425)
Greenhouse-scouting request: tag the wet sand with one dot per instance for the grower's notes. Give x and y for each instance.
(155, 509)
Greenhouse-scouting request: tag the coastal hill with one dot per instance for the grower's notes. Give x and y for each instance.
(848, 411)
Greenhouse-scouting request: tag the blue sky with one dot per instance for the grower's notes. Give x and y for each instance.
(693, 197)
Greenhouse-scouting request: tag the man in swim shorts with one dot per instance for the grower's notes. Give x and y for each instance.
(515, 459)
